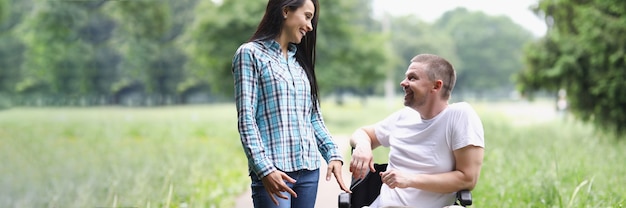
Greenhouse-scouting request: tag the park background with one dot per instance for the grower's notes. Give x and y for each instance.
(129, 103)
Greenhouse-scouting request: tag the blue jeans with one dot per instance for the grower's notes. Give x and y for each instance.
(305, 187)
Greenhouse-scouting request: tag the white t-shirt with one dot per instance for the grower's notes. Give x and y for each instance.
(426, 147)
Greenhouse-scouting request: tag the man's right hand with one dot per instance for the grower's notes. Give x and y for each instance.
(274, 184)
(362, 161)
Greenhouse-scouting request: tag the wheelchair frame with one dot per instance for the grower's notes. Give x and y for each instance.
(365, 194)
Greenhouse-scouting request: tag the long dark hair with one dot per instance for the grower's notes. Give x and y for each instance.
(270, 27)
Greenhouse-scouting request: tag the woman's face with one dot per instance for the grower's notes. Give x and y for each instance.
(298, 22)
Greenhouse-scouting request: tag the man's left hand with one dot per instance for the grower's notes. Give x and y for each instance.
(396, 179)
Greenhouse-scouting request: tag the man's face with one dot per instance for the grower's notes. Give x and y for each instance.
(417, 86)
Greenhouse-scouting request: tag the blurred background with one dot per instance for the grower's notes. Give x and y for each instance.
(158, 53)
(125, 103)
(152, 53)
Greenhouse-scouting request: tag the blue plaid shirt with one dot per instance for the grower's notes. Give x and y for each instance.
(278, 126)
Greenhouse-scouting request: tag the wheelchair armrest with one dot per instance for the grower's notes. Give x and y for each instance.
(344, 200)
(464, 197)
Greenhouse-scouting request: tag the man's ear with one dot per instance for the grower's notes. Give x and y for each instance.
(438, 85)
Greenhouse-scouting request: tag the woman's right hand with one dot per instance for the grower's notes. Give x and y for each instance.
(274, 184)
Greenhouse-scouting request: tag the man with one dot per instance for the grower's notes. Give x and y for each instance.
(436, 148)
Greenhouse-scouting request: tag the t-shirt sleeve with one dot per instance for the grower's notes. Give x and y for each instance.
(383, 128)
(467, 128)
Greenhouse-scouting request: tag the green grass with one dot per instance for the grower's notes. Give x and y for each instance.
(531, 161)
(120, 157)
(170, 156)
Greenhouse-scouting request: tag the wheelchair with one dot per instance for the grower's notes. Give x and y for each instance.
(365, 191)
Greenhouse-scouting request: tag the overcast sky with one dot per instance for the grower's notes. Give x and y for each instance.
(517, 10)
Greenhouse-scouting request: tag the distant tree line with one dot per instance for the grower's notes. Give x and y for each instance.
(147, 53)
(584, 54)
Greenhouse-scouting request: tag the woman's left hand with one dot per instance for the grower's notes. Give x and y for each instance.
(334, 167)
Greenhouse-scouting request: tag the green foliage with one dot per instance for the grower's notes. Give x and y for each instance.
(410, 37)
(96, 50)
(143, 19)
(153, 59)
(216, 36)
(4, 9)
(102, 52)
(349, 57)
(583, 53)
(56, 55)
(11, 53)
(489, 49)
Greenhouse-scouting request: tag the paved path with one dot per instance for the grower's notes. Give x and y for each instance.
(327, 192)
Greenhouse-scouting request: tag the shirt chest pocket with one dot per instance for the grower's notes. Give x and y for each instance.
(286, 77)
(278, 73)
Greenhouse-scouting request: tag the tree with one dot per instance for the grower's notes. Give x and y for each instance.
(410, 37)
(214, 39)
(489, 48)
(352, 55)
(153, 60)
(583, 52)
(56, 58)
(4, 5)
(11, 46)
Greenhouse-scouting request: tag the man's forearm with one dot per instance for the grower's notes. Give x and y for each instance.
(360, 139)
(443, 182)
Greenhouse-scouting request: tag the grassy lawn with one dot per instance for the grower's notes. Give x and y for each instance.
(120, 157)
(534, 161)
(177, 156)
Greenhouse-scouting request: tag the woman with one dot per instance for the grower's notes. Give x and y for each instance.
(279, 119)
